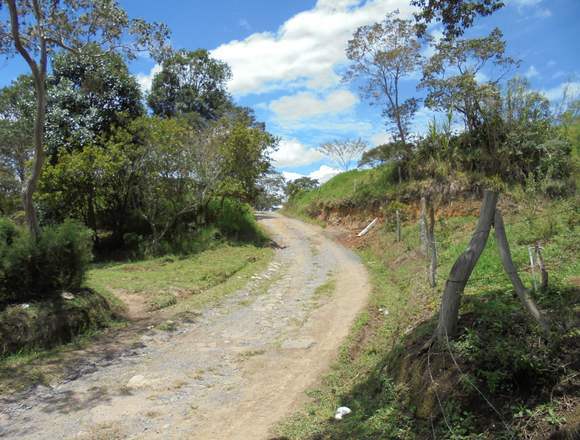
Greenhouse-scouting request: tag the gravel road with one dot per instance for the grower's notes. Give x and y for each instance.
(231, 373)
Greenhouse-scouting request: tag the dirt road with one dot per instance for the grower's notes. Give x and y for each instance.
(231, 374)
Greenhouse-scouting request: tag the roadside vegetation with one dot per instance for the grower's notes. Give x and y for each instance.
(472, 328)
(108, 192)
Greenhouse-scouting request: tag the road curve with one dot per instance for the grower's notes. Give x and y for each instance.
(231, 374)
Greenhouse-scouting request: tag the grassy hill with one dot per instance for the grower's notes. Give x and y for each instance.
(500, 378)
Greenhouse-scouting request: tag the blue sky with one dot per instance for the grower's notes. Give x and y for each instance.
(287, 57)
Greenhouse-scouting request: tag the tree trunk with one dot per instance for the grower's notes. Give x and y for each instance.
(91, 216)
(432, 246)
(423, 226)
(508, 264)
(39, 74)
(463, 267)
(38, 160)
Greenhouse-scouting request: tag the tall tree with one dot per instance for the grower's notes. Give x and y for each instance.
(89, 92)
(190, 82)
(455, 76)
(38, 29)
(455, 15)
(344, 152)
(382, 55)
(16, 118)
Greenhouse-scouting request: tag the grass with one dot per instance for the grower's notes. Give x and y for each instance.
(381, 375)
(189, 282)
(180, 285)
(326, 289)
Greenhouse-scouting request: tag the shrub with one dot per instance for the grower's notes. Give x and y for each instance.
(236, 220)
(32, 269)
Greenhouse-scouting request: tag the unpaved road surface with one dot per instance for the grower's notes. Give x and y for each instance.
(232, 373)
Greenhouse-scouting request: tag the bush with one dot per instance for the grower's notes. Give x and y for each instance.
(32, 269)
(236, 221)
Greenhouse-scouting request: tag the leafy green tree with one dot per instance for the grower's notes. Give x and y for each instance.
(167, 191)
(454, 76)
(300, 185)
(190, 82)
(89, 92)
(381, 56)
(36, 30)
(455, 15)
(16, 116)
(271, 186)
(246, 154)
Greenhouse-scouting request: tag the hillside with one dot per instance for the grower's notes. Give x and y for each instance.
(500, 378)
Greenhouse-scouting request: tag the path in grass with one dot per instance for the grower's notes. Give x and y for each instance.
(230, 373)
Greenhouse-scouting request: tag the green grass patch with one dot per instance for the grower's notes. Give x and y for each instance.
(500, 351)
(326, 289)
(166, 281)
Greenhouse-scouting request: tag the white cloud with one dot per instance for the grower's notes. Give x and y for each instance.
(532, 72)
(540, 12)
(305, 50)
(145, 80)
(380, 139)
(292, 153)
(323, 174)
(290, 176)
(556, 93)
(307, 105)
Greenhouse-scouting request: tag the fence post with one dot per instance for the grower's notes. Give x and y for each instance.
(398, 225)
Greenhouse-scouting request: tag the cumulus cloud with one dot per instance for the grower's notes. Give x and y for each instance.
(292, 153)
(145, 80)
(572, 89)
(381, 139)
(305, 50)
(323, 174)
(307, 105)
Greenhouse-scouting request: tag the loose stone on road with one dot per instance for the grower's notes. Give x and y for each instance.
(233, 373)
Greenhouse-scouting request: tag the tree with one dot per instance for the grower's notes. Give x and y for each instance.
(246, 154)
(466, 91)
(271, 186)
(190, 82)
(89, 93)
(167, 192)
(343, 152)
(382, 55)
(455, 15)
(38, 29)
(16, 116)
(302, 184)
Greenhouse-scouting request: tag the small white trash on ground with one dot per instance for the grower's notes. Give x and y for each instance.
(341, 412)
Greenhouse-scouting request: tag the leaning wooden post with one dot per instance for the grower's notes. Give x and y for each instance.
(423, 226)
(462, 269)
(398, 225)
(543, 271)
(432, 246)
(509, 267)
(532, 267)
